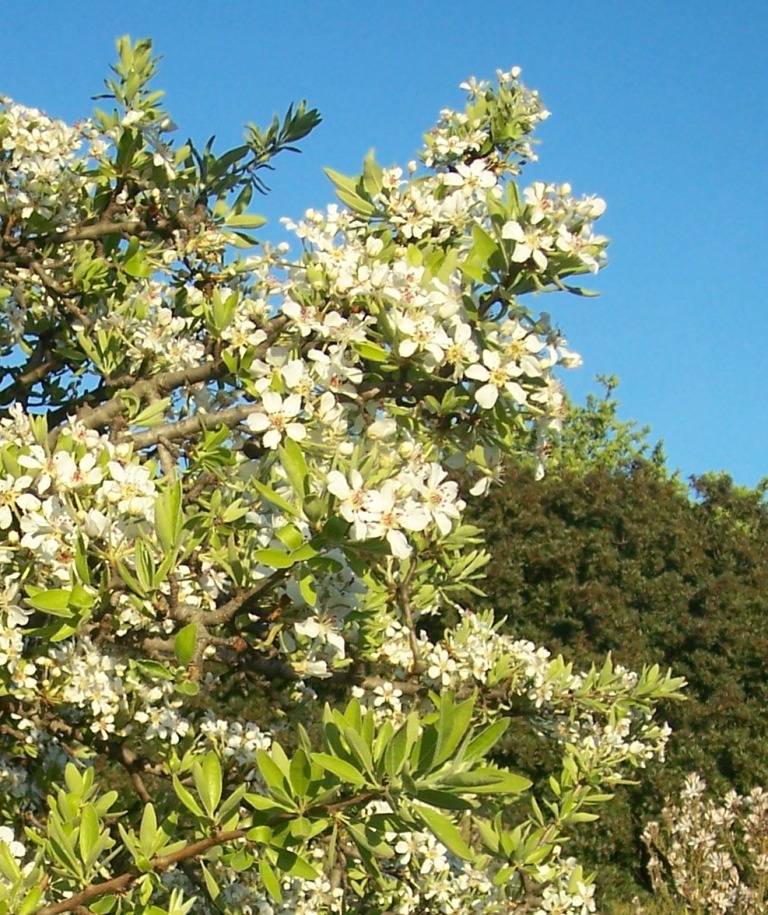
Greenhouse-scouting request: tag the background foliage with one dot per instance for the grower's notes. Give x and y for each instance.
(610, 552)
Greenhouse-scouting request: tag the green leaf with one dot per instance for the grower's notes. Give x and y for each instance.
(148, 831)
(184, 644)
(32, 901)
(359, 748)
(295, 865)
(245, 221)
(485, 740)
(145, 565)
(452, 726)
(300, 772)
(137, 266)
(290, 535)
(399, 748)
(341, 182)
(373, 175)
(275, 559)
(308, 587)
(443, 799)
(484, 246)
(278, 501)
(487, 781)
(8, 866)
(210, 883)
(356, 203)
(186, 798)
(269, 879)
(444, 830)
(263, 803)
(292, 459)
(54, 601)
(371, 351)
(89, 831)
(370, 840)
(206, 774)
(272, 775)
(153, 414)
(344, 770)
(168, 517)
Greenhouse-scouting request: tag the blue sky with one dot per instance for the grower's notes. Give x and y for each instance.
(661, 108)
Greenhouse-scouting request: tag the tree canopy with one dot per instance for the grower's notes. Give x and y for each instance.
(235, 676)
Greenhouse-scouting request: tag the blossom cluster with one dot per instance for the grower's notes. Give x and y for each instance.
(40, 171)
(711, 853)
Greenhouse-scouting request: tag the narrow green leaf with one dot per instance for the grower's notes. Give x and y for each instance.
(344, 770)
(168, 517)
(277, 500)
(245, 221)
(186, 798)
(300, 773)
(295, 466)
(31, 901)
(371, 351)
(153, 414)
(341, 182)
(89, 831)
(269, 879)
(359, 748)
(443, 799)
(485, 740)
(210, 883)
(8, 866)
(206, 774)
(366, 838)
(451, 728)
(148, 830)
(271, 773)
(444, 830)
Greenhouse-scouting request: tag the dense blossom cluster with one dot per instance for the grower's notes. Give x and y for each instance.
(226, 477)
(711, 853)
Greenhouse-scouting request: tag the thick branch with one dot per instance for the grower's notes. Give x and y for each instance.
(186, 427)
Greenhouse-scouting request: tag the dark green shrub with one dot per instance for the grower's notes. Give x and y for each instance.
(622, 558)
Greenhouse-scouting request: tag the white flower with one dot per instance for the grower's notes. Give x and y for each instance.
(355, 501)
(439, 498)
(498, 377)
(474, 175)
(391, 514)
(530, 244)
(12, 491)
(325, 630)
(276, 420)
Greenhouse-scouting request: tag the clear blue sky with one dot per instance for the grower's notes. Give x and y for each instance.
(661, 108)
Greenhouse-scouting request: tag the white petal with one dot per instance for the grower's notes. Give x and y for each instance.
(296, 431)
(399, 545)
(487, 396)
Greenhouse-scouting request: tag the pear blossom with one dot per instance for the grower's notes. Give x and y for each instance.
(530, 244)
(276, 419)
(498, 377)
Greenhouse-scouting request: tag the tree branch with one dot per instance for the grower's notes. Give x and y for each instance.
(185, 427)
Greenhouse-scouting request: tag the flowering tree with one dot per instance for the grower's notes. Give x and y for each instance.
(232, 539)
